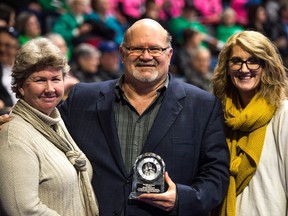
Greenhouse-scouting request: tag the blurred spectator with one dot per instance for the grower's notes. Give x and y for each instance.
(56, 6)
(131, 8)
(170, 8)
(8, 50)
(189, 19)
(240, 7)
(227, 25)
(59, 41)
(192, 40)
(51, 10)
(23, 5)
(71, 25)
(7, 16)
(152, 11)
(109, 67)
(283, 16)
(257, 19)
(272, 8)
(85, 63)
(210, 11)
(112, 29)
(28, 26)
(121, 19)
(200, 73)
(134, 9)
(282, 40)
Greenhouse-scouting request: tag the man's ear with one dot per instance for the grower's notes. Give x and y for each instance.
(122, 53)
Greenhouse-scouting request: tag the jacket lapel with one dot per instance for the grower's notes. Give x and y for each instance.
(167, 114)
(105, 106)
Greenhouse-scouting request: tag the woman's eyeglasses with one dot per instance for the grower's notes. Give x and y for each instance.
(235, 64)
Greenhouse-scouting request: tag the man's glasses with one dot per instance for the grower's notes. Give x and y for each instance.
(235, 64)
(154, 51)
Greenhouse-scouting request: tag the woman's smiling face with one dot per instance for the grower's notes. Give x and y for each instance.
(245, 80)
(43, 90)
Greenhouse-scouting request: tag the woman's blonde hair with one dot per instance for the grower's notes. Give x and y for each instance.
(36, 55)
(273, 85)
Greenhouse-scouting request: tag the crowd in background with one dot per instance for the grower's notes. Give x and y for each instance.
(89, 33)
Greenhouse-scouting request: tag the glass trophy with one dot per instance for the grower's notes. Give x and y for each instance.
(148, 175)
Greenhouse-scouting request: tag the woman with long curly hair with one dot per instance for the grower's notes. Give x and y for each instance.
(251, 82)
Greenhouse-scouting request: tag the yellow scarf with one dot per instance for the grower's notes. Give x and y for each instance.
(246, 130)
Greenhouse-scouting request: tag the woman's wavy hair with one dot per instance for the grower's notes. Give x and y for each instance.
(273, 85)
(36, 55)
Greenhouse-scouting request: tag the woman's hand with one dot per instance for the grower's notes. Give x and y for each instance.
(3, 119)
